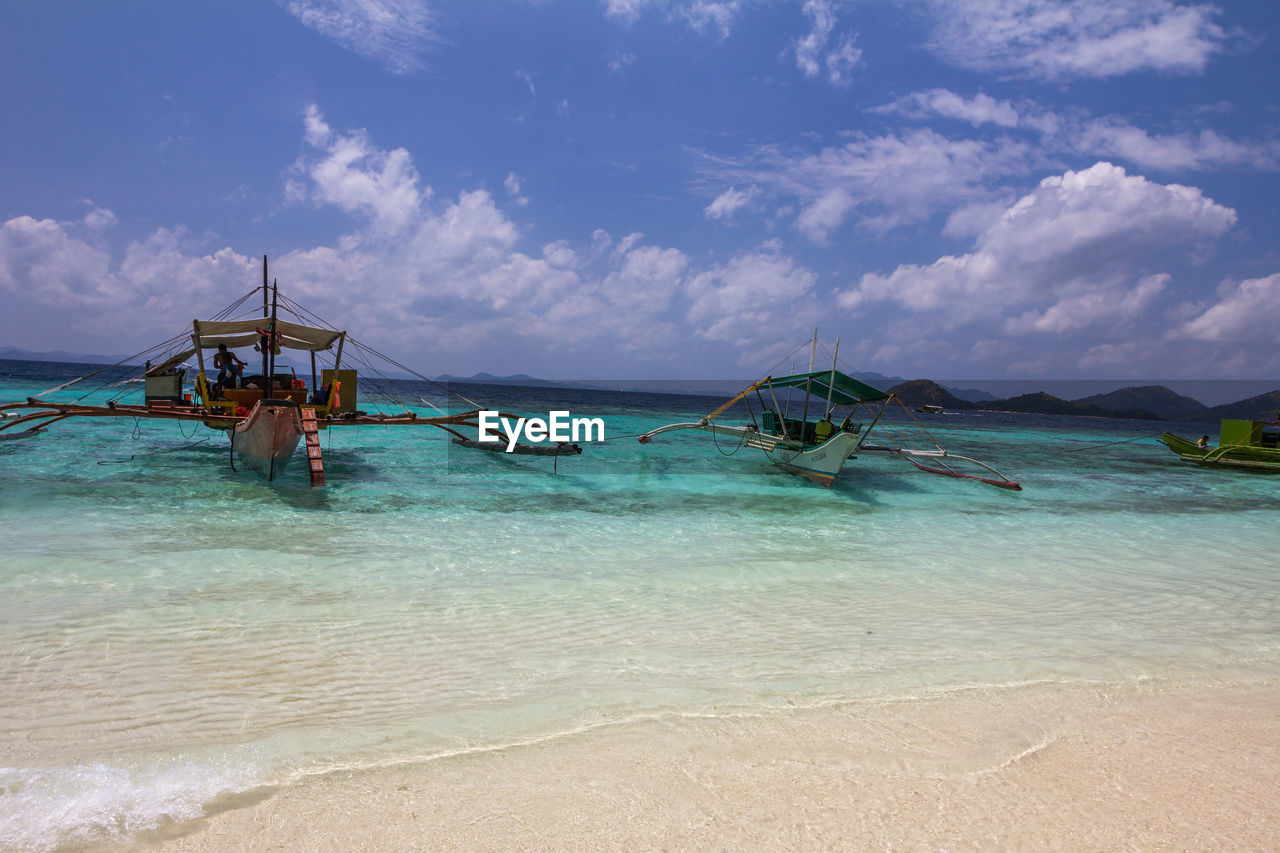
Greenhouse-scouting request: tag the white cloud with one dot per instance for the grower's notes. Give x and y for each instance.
(647, 280)
(979, 110)
(1068, 256)
(1245, 313)
(512, 183)
(1056, 40)
(972, 219)
(426, 275)
(1079, 310)
(42, 262)
(1111, 357)
(393, 33)
(711, 17)
(758, 296)
(73, 285)
(1109, 137)
(560, 255)
(151, 267)
(706, 17)
(620, 60)
(357, 177)
(627, 11)
(817, 53)
(825, 214)
(884, 181)
(1206, 149)
(469, 233)
(728, 203)
(624, 245)
(98, 218)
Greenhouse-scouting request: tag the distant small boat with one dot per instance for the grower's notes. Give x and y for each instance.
(929, 409)
(1241, 444)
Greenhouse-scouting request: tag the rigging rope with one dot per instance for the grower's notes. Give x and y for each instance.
(315, 318)
(742, 440)
(162, 348)
(1109, 443)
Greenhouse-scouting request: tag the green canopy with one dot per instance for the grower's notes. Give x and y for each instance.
(844, 389)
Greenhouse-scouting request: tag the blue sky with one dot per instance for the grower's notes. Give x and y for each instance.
(657, 188)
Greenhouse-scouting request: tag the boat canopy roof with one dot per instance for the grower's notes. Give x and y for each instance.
(240, 333)
(843, 389)
(244, 333)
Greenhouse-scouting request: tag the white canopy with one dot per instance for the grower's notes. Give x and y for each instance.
(241, 333)
(170, 363)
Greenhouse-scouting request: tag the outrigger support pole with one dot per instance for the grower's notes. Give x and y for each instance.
(743, 393)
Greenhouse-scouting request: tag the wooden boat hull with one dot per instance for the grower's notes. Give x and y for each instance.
(1225, 456)
(266, 439)
(818, 464)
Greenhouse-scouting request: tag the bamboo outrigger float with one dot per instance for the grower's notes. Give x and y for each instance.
(267, 415)
(818, 449)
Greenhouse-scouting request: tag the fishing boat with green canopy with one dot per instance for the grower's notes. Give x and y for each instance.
(813, 434)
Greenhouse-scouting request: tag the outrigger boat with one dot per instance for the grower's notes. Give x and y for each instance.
(817, 449)
(269, 414)
(1249, 445)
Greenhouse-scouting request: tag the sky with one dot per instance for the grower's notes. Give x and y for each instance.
(656, 188)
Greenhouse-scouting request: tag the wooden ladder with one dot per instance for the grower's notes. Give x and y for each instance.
(312, 435)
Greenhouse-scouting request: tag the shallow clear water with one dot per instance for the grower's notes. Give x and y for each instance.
(172, 631)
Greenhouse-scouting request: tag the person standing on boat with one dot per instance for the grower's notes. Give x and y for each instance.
(229, 366)
(1203, 443)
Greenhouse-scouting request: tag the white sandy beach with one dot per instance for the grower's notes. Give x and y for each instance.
(1026, 769)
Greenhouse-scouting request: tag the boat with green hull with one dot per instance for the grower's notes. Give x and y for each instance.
(1251, 445)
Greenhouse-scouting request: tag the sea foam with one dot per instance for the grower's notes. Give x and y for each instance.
(47, 808)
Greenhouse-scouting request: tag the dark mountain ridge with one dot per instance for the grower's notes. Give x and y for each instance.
(1146, 402)
(1160, 401)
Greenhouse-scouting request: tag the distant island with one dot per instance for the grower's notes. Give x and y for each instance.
(490, 379)
(1141, 402)
(1144, 402)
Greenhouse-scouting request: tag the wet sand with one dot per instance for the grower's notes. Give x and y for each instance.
(1025, 769)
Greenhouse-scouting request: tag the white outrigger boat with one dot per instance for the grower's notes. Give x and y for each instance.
(817, 449)
(267, 415)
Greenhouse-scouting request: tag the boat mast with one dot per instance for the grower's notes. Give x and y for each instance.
(271, 336)
(262, 342)
(831, 385)
(788, 412)
(813, 353)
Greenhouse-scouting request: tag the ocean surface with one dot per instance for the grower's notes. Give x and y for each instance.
(175, 635)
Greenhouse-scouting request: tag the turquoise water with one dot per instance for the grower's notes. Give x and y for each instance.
(174, 633)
